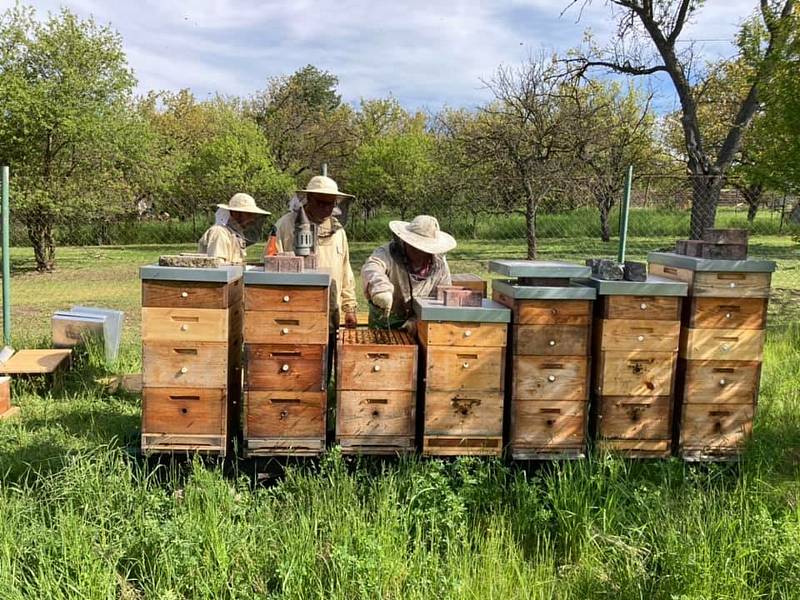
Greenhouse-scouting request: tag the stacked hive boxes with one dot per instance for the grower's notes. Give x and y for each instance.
(376, 382)
(286, 341)
(549, 348)
(191, 357)
(720, 350)
(637, 328)
(463, 353)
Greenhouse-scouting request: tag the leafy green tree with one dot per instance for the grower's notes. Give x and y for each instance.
(66, 131)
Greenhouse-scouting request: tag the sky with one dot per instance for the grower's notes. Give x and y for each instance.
(427, 54)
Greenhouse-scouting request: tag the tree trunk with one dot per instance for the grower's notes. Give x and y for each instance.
(752, 196)
(530, 229)
(604, 204)
(40, 233)
(705, 197)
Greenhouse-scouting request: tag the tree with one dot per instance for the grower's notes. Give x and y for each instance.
(647, 25)
(65, 89)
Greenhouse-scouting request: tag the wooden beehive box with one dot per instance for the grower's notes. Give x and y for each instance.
(463, 362)
(636, 333)
(285, 348)
(6, 410)
(550, 344)
(191, 358)
(721, 344)
(376, 382)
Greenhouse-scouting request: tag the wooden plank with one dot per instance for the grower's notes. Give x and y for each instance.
(299, 446)
(184, 411)
(189, 364)
(375, 413)
(551, 340)
(462, 446)
(286, 298)
(284, 414)
(548, 424)
(724, 284)
(285, 327)
(36, 362)
(715, 426)
(185, 294)
(722, 344)
(299, 367)
(173, 443)
(720, 382)
(638, 335)
(461, 368)
(463, 414)
(728, 313)
(626, 417)
(462, 334)
(550, 378)
(10, 413)
(636, 448)
(635, 373)
(548, 312)
(660, 308)
(386, 445)
(376, 367)
(184, 325)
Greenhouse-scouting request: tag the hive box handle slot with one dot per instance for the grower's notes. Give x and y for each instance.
(185, 398)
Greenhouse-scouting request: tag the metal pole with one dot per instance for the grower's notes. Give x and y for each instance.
(623, 215)
(6, 265)
(324, 169)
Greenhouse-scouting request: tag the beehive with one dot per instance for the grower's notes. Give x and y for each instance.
(463, 359)
(191, 358)
(376, 383)
(721, 344)
(636, 333)
(549, 362)
(285, 346)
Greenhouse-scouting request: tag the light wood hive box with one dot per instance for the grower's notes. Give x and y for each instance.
(636, 334)
(376, 382)
(285, 348)
(720, 351)
(191, 358)
(463, 366)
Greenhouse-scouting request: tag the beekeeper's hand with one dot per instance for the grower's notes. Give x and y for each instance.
(410, 327)
(383, 301)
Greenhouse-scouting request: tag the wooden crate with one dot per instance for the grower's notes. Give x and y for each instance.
(191, 357)
(376, 382)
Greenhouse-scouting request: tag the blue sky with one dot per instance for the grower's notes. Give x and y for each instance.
(427, 54)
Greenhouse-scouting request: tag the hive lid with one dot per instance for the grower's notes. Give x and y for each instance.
(258, 276)
(576, 291)
(225, 274)
(750, 265)
(430, 309)
(542, 269)
(652, 286)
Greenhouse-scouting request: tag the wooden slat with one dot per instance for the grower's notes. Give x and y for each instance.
(172, 443)
(374, 413)
(185, 294)
(465, 368)
(625, 417)
(284, 414)
(462, 446)
(712, 382)
(638, 335)
(635, 373)
(462, 334)
(377, 445)
(722, 344)
(36, 362)
(299, 446)
(463, 414)
(190, 364)
(661, 308)
(551, 340)
(184, 325)
(286, 298)
(184, 411)
(543, 424)
(550, 378)
(285, 327)
(728, 313)
(277, 367)
(676, 273)
(636, 448)
(712, 426)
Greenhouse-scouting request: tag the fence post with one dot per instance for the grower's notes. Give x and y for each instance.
(6, 263)
(623, 215)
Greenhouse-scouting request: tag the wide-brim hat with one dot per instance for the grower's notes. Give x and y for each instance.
(243, 203)
(423, 233)
(320, 184)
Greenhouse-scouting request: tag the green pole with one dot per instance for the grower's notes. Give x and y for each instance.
(623, 215)
(6, 266)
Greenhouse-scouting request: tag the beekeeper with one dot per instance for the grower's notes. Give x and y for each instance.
(411, 266)
(226, 237)
(319, 198)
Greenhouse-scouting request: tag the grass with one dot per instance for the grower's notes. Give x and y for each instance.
(83, 517)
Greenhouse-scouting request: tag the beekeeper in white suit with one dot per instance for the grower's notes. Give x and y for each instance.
(225, 238)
